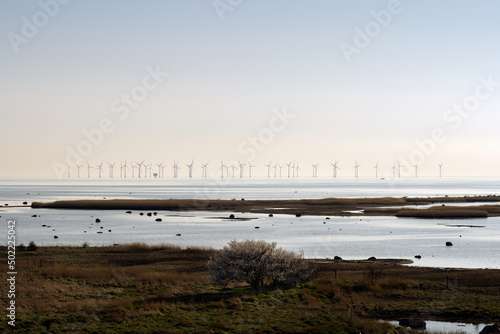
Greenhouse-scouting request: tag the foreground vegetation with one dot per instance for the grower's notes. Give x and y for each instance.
(378, 206)
(165, 289)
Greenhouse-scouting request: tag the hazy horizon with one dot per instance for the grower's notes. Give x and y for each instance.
(315, 82)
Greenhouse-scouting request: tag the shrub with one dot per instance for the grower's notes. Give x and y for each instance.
(32, 246)
(258, 263)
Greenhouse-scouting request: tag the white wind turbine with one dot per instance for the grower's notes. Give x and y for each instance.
(111, 167)
(399, 169)
(293, 169)
(297, 168)
(204, 169)
(289, 165)
(190, 167)
(376, 169)
(100, 168)
(160, 169)
(232, 170)
(315, 169)
(440, 169)
(139, 166)
(150, 168)
(125, 166)
(335, 167)
(69, 168)
(88, 169)
(222, 166)
(275, 169)
(176, 168)
(268, 169)
(250, 169)
(416, 169)
(242, 168)
(78, 168)
(280, 167)
(394, 170)
(356, 169)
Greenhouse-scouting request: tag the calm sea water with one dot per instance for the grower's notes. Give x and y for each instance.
(476, 241)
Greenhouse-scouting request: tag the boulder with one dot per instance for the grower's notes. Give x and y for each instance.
(298, 215)
(418, 256)
(373, 258)
(97, 220)
(337, 258)
(491, 329)
(270, 215)
(128, 212)
(231, 216)
(449, 243)
(158, 220)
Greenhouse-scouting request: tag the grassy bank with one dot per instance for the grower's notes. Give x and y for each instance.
(165, 289)
(326, 206)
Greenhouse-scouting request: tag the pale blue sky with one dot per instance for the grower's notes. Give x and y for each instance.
(227, 76)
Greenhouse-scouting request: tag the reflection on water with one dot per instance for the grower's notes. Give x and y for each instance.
(448, 327)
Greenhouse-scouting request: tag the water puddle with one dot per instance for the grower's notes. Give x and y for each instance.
(447, 327)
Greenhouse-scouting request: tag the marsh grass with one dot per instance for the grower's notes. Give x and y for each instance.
(165, 288)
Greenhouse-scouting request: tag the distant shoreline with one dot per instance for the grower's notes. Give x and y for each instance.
(378, 206)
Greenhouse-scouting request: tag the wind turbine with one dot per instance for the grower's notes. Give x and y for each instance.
(268, 169)
(440, 168)
(275, 168)
(289, 165)
(399, 169)
(176, 168)
(232, 170)
(160, 169)
(139, 166)
(88, 169)
(111, 167)
(125, 166)
(416, 169)
(293, 169)
(376, 169)
(356, 169)
(335, 167)
(150, 167)
(280, 167)
(242, 166)
(78, 168)
(315, 169)
(297, 168)
(394, 170)
(250, 169)
(204, 169)
(100, 168)
(190, 167)
(222, 166)
(68, 171)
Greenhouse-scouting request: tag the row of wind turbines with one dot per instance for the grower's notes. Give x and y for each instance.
(145, 170)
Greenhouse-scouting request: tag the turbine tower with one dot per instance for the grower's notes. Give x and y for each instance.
(160, 169)
(242, 166)
(68, 171)
(88, 169)
(250, 169)
(275, 168)
(111, 167)
(78, 168)
(335, 167)
(139, 166)
(315, 169)
(394, 170)
(268, 169)
(190, 167)
(416, 169)
(100, 169)
(204, 169)
(280, 167)
(176, 168)
(399, 169)
(376, 169)
(289, 165)
(356, 168)
(222, 166)
(297, 168)
(440, 168)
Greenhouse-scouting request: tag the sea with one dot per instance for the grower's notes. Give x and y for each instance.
(476, 242)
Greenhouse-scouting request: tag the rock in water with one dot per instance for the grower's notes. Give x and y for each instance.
(449, 243)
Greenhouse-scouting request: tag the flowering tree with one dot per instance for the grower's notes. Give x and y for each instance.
(258, 263)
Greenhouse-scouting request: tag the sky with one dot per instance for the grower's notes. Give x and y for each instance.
(414, 82)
